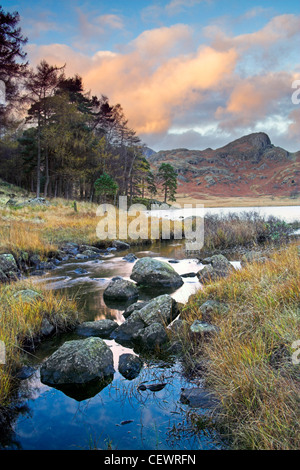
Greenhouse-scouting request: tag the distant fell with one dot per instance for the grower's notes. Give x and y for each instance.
(248, 166)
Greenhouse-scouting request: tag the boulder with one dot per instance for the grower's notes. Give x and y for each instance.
(136, 306)
(81, 256)
(152, 337)
(83, 248)
(8, 266)
(253, 257)
(150, 272)
(35, 260)
(162, 310)
(203, 328)
(210, 307)
(126, 332)
(37, 201)
(218, 267)
(70, 248)
(121, 289)
(47, 328)
(28, 295)
(131, 258)
(100, 328)
(90, 253)
(120, 245)
(130, 366)
(3, 277)
(78, 362)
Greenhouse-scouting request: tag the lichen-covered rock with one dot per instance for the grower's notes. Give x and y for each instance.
(136, 306)
(162, 310)
(130, 366)
(121, 289)
(78, 362)
(218, 267)
(203, 328)
(152, 337)
(3, 277)
(28, 295)
(101, 328)
(150, 272)
(210, 307)
(8, 266)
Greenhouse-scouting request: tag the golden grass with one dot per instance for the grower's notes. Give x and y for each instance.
(250, 366)
(217, 201)
(43, 229)
(20, 322)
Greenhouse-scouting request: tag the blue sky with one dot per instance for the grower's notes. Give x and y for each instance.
(192, 73)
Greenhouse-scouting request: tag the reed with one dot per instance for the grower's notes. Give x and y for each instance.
(249, 363)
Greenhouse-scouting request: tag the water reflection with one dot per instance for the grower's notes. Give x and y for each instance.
(95, 416)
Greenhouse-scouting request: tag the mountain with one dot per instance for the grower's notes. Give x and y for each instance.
(148, 152)
(249, 166)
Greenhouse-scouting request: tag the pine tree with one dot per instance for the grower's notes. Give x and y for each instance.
(168, 178)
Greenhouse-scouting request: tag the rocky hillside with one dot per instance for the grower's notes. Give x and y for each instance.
(249, 166)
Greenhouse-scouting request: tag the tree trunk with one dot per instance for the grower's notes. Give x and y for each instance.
(38, 166)
(47, 174)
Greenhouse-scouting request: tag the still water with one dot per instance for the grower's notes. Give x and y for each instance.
(119, 416)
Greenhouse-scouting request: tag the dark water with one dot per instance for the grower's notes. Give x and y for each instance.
(50, 419)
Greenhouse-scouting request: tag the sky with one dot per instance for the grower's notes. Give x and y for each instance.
(188, 73)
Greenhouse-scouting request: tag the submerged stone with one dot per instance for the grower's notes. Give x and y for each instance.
(101, 328)
(130, 366)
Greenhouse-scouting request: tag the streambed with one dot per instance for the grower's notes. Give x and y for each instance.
(120, 416)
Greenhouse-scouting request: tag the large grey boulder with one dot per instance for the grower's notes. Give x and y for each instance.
(218, 267)
(136, 306)
(78, 362)
(121, 289)
(150, 272)
(161, 310)
(152, 337)
(101, 328)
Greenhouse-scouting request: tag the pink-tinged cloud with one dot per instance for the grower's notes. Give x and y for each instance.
(149, 84)
(159, 82)
(254, 98)
(278, 28)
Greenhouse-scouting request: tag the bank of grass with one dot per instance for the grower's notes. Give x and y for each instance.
(250, 361)
(20, 325)
(243, 229)
(42, 229)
